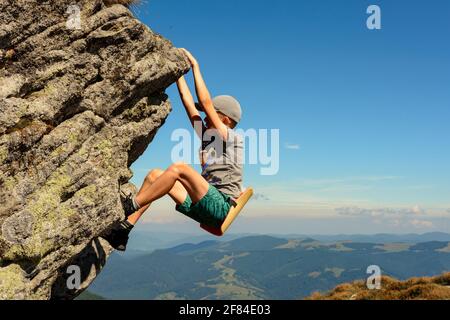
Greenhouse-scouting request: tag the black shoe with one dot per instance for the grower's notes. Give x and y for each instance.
(118, 236)
(127, 204)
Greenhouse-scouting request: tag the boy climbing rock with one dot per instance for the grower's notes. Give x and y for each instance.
(206, 197)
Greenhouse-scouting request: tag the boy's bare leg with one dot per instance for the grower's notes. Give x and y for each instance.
(133, 219)
(194, 184)
(178, 181)
(178, 193)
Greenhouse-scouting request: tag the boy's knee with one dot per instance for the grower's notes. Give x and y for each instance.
(154, 174)
(178, 167)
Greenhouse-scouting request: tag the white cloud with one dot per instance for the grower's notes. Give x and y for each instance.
(332, 181)
(417, 210)
(380, 212)
(292, 146)
(393, 217)
(330, 192)
(422, 224)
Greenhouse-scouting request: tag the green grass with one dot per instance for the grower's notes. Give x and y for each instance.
(394, 247)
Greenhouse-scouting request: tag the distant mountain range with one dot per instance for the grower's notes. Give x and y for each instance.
(143, 241)
(267, 267)
(382, 237)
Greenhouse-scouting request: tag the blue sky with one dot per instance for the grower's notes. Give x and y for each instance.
(365, 112)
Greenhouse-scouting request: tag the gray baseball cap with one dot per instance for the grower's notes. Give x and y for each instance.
(227, 105)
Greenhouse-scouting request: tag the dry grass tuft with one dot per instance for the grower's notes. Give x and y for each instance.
(426, 288)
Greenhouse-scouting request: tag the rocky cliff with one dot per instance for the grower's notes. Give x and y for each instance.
(81, 97)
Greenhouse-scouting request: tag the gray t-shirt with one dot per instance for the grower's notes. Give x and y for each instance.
(222, 162)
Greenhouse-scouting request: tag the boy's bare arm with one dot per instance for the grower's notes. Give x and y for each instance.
(204, 98)
(189, 106)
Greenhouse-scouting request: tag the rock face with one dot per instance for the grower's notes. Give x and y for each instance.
(81, 97)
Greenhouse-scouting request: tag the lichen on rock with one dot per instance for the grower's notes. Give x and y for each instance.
(78, 107)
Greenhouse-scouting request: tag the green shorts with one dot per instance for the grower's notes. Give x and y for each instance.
(211, 210)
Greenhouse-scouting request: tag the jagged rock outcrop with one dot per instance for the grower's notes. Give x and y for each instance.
(81, 98)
